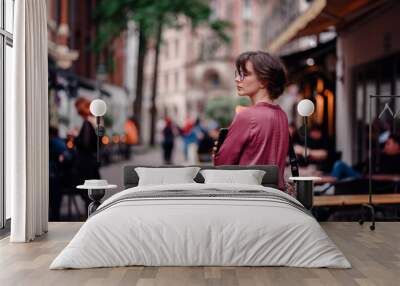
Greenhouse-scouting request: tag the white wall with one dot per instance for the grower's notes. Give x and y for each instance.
(344, 140)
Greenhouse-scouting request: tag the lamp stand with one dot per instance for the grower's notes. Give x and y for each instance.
(99, 133)
(305, 139)
(95, 195)
(98, 137)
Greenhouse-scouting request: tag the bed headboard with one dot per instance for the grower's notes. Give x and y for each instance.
(270, 179)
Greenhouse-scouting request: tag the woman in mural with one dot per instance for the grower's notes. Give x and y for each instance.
(259, 134)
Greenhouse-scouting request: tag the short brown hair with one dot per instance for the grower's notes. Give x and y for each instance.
(82, 100)
(82, 105)
(269, 69)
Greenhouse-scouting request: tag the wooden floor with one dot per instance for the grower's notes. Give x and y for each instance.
(375, 256)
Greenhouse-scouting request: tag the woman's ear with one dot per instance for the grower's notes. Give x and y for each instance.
(263, 84)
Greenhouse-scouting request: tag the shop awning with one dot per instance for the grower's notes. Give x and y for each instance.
(319, 51)
(322, 15)
(73, 81)
(323, 57)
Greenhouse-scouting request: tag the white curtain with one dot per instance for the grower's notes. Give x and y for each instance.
(27, 123)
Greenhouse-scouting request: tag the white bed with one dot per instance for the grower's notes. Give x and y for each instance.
(224, 225)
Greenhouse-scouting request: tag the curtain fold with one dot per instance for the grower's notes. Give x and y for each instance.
(27, 123)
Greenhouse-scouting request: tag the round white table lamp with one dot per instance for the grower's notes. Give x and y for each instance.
(98, 107)
(305, 107)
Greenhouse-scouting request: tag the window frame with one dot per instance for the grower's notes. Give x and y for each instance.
(6, 39)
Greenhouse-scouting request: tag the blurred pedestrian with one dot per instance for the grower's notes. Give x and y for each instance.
(390, 157)
(57, 153)
(86, 165)
(206, 141)
(131, 134)
(389, 161)
(389, 165)
(189, 137)
(319, 154)
(258, 135)
(168, 138)
(131, 131)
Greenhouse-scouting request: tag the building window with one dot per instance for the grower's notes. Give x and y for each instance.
(246, 13)
(176, 81)
(176, 48)
(212, 79)
(166, 82)
(6, 44)
(247, 37)
(229, 9)
(166, 50)
(214, 9)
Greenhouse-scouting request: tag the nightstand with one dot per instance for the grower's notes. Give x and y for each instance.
(96, 191)
(305, 190)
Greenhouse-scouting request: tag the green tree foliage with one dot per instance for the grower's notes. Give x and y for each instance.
(244, 101)
(112, 17)
(151, 17)
(222, 108)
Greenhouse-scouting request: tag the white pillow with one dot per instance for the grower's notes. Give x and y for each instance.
(163, 176)
(249, 177)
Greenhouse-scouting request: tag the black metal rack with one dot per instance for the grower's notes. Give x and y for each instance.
(370, 205)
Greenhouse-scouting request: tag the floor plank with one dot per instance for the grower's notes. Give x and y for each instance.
(375, 257)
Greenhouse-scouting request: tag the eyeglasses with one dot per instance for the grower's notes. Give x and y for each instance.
(240, 75)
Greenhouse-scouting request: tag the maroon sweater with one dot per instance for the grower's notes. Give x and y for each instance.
(258, 135)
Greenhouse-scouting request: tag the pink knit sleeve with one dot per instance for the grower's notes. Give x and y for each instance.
(238, 135)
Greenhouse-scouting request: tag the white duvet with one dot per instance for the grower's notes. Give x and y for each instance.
(183, 231)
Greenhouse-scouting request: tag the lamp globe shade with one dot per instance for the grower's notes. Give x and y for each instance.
(305, 107)
(98, 107)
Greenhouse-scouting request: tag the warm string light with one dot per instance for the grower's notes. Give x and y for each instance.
(105, 140)
(320, 85)
(330, 97)
(319, 115)
(115, 139)
(70, 144)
